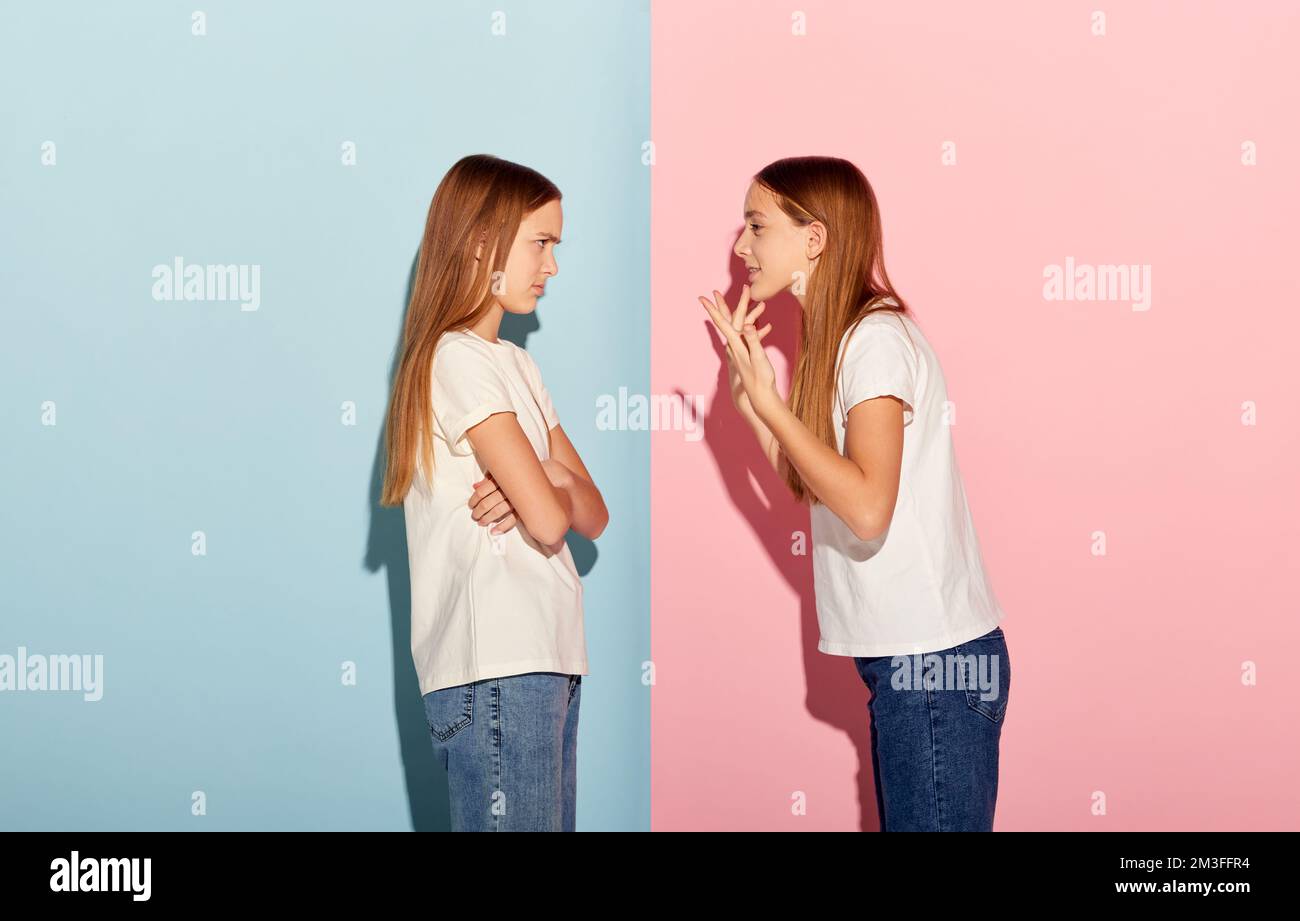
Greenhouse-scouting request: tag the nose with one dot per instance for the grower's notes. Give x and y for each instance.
(550, 267)
(741, 248)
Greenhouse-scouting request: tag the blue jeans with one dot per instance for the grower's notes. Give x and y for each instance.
(510, 747)
(935, 728)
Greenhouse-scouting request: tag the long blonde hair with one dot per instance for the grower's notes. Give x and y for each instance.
(482, 199)
(847, 284)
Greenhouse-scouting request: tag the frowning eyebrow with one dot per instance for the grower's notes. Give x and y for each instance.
(543, 235)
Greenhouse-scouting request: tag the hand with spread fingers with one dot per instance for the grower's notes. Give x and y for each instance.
(491, 507)
(753, 379)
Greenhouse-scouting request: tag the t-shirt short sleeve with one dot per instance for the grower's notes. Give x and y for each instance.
(548, 408)
(542, 394)
(878, 361)
(468, 386)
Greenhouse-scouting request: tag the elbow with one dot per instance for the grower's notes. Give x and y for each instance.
(552, 523)
(550, 532)
(869, 525)
(549, 525)
(600, 524)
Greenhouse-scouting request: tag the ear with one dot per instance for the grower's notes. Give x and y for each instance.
(816, 236)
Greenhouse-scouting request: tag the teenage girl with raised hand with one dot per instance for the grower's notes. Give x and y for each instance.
(864, 438)
(490, 485)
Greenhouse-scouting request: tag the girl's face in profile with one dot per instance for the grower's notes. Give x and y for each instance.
(531, 260)
(771, 245)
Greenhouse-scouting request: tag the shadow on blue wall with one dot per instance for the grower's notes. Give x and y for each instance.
(426, 779)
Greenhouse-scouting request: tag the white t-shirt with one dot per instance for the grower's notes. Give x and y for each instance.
(483, 605)
(921, 586)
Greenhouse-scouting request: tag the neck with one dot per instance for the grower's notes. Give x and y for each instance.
(490, 324)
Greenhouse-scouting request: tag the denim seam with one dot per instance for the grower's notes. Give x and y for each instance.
(496, 728)
(934, 757)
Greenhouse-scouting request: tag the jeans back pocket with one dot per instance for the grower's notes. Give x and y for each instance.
(449, 710)
(984, 669)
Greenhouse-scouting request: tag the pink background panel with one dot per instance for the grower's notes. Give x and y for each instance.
(1072, 416)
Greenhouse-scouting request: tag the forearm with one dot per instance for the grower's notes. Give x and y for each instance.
(837, 481)
(583, 501)
(589, 513)
(565, 501)
(766, 440)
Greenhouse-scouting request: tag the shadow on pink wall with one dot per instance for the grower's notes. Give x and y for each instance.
(835, 694)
